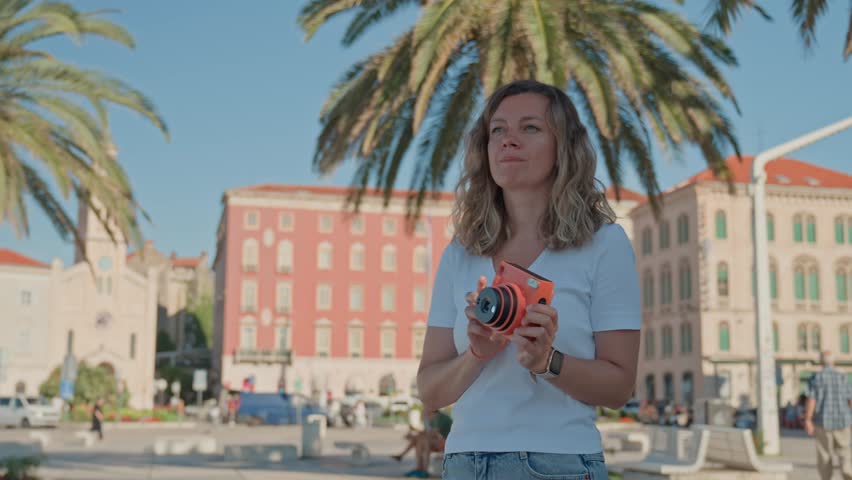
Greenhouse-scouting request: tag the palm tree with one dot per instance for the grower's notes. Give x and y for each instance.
(634, 70)
(54, 123)
(805, 13)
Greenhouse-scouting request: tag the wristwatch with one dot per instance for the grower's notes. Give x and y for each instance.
(554, 365)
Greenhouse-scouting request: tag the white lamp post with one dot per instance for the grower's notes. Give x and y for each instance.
(768, 409)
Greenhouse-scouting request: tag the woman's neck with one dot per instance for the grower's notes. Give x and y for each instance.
(525, 209)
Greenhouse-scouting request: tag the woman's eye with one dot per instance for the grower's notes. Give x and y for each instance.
(531, 128)
(496, 130)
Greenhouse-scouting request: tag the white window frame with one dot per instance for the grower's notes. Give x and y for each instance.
(284, 297)
(388, 301)
(321, 288)
(354, 250)
(356, 297)
(248, 303)
(325, 256)
(288, 225)
(389, 258)
(321, 220)
(247, 225)
(355, 339)
(389, 226)
(419, 259)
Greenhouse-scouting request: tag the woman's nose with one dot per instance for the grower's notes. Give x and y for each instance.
(509, 140)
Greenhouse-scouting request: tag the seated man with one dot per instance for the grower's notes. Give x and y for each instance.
(431, 440)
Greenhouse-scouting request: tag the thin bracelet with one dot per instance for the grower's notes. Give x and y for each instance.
(477, 356)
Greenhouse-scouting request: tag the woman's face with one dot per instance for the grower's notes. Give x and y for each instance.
(521, 146)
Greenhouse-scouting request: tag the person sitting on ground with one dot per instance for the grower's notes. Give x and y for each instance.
(432, 439)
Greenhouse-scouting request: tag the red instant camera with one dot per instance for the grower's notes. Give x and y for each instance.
(503, 305)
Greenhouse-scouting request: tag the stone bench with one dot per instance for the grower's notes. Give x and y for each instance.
(664, 462)
(734, 449)
(360, 452)
(261, 454)
(627, 441)
(184, 445)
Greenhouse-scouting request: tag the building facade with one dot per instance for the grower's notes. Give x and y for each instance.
(183, 284)
(695, 266)
(310, 298)
(102, 314)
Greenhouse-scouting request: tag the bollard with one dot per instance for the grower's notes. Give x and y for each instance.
(313, 432)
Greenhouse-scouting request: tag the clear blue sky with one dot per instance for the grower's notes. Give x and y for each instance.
(241, 92)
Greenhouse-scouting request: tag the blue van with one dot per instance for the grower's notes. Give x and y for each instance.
(275, 409)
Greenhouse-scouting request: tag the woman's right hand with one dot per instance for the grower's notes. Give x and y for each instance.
(484, 343)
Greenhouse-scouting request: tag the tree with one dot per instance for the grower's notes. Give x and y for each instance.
(165, 342)
(54, 124)
(91, 384)
(633, 69)
(806, 13)
(200, 324)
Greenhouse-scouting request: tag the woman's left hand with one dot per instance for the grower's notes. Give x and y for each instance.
(535, 336)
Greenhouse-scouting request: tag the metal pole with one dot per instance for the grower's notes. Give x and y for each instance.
(767, 388)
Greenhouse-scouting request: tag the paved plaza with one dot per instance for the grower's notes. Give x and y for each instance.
(126, 454)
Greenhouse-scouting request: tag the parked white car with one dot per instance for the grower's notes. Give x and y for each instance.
(20, 411)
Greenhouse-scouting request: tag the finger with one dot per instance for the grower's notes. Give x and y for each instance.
(475, 328)
(481, 284)
(520, 341)
(546, 310)
(535, 318)
(470, 298)
(534, 333)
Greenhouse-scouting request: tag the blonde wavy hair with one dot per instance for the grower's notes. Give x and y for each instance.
(578, 205)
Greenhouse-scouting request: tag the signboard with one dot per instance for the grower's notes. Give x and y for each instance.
(199, 380)
(66, 389)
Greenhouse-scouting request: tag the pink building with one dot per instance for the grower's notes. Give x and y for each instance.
(310, 298)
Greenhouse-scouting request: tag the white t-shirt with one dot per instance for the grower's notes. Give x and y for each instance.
(504, 410)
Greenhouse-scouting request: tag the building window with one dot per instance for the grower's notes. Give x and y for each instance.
(356, 257)
(69, 342)
(668, 388)
(811, 229)
(250, 255)
(282, 338)
(418, 336)
(646, 241)
(813, 284)
(664, 235)
(323, 339)
(648, 289)
(799, 283)
(650, 394)
(724, 337)
(666, 286)
(389, 258)
(252, 220)
(816, 338)
(797, 228)
(668, 342)
(283, 297)
(775, 337)
(284, 263)
(839, 230)
(687, 388)
(802, 338)
(324, 256)
(649, 344)
(388, 298)
(249, 298)
(722, 279)
(248, 337)
(325, 224)
(721, 225)
(841, 285)
(773, 281)
(26, 297)
(419, 260)
(356, 298)
(323, 296)
(356, 339)
(132, 345)
(388, 340)
(685, 337)
(285, 222)
(682, 229)
(419, 300)
(388, 226)
(357, 226)
(421, 229)
(849, 230)
(685, 280)
(844, 339)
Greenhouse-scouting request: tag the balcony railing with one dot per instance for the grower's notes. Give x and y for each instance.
(251, 355)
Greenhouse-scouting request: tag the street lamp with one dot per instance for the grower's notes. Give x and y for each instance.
(766, 392)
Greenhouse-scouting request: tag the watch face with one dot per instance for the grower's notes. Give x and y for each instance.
(556, 362)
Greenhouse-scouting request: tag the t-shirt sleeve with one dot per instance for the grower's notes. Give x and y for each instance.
(442, 311)
(615, 292)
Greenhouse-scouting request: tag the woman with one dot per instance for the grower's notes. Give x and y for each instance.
(524, 406)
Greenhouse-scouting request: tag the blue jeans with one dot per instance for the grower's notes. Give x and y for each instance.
(524, 465)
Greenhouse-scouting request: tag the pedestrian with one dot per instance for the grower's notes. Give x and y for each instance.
(98, 418)
(528, 200)
(828, 417)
